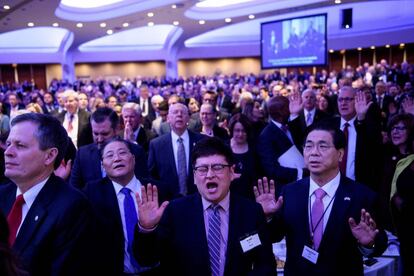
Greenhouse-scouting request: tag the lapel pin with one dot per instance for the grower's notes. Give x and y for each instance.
(347, 198)
(36, 218)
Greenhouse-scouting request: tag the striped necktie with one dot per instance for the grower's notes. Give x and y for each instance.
(214, 239)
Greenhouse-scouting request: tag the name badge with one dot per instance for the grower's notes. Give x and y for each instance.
(310, 254)
(250, 242)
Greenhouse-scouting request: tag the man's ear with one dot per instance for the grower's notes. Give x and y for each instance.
(341, 153)
(50, 156)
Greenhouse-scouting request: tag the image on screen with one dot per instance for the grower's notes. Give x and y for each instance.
(300, 41)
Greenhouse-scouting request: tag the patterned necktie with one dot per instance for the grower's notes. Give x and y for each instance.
(342, 164)
(308, 119)
(181, 167)
(15, 218)
(131, 219)
(214, 239)
(317, 217)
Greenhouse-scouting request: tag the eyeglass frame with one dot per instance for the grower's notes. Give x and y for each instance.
(210, 167)
(321, 147)
(345, 99)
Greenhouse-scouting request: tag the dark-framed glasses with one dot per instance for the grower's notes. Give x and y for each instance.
(202, 170)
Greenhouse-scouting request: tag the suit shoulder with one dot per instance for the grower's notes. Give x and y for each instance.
(160, 139)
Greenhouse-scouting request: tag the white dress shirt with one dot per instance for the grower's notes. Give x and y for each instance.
(186, 141)
(352, 137)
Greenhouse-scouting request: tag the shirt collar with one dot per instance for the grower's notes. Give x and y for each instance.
(311, 112)
(134, 185)
(224, 203)
(185, 136)
(279, 125)
(330, 187)
(31, 194)
(350, 122)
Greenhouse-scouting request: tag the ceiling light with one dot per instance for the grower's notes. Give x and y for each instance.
(150, 24)
(55, 24)
(331, 51)
(387, 46)
(251, 16)
(359, 49)
(79, 25)
(176, 23)
(6, 7)
(372, 47)
(103, 25)
(342, 51)
(174, 6)
(346, 26)
(201, 22)
(30, 24)
(109, 32)
(228, 20)
(150, 14)
(337, 1)
(125, 25)
(402, 45)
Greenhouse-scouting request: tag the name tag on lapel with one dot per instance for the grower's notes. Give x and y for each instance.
(250, 242)
(310, 254)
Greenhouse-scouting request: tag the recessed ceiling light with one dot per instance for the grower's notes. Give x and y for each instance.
(359, 49)
(125, 25)
(55, 24)
(150, 24)
(109, 32)
(228, 20)
(346, 26)
(174, 6)
(150, 14)
(331, 51)
(372, 47)
(6, 7)
(251, 16)
(176, 23)
(337, 1)
(103, 25)
(387, 46)
(79, 25)
(201, 22)
(30, 24)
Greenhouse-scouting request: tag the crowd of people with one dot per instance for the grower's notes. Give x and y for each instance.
(349, 134)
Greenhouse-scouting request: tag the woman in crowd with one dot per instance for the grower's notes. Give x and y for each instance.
(243, 154)
(325, 104)
(4, 121)
(193, 106)
(257, 116)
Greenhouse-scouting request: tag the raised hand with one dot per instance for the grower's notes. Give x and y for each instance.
(265, 196)
(295, 103)
(365, 231)
(361, 105)
(408, 105)
(149, 211)
(128, 132)
(63, 171)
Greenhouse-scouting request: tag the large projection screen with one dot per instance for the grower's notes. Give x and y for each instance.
(299, 41)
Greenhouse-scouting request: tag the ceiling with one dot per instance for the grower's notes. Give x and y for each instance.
(375, 23)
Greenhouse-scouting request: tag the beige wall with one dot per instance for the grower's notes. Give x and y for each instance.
(123, 70)
(53, 71)
(208, 67)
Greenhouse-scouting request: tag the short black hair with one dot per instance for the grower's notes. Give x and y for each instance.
(211, 146)
(338, 136)
(103, 113)
(50, 133)
(116, 139)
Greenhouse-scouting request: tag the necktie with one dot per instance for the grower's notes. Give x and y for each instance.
(144, 107)
(131, 219)
(214, 239)
(15, 218)
(308, 119)
(317, 217)
(70, 124)
(182, 167)
(342, 164)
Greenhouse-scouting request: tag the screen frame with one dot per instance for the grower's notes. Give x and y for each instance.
(325, 15)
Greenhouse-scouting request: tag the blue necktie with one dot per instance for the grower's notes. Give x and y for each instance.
(131, 219)
(182, 167)
(214, 239)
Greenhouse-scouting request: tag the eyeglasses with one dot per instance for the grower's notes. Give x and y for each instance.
(346, 100)
(111, 155)
(399, 128)
(322, 147)
(215, 168)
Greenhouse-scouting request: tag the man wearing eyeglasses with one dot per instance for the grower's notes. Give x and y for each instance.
(328, 219)
(209, 233)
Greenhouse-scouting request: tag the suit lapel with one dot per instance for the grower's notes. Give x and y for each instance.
(95, 159)
(301, 199)
(233, 234)
(110, 200)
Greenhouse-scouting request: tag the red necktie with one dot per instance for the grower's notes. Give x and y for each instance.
(342, 164)
(15, 218)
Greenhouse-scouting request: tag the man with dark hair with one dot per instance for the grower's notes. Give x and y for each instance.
(327, 218)
(204, 233)
(88, 166)
(48, 219)
(112, 198)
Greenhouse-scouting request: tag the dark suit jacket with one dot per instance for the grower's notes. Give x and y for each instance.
(319, 115)
(272, 143)
(84, 127)
(181, 240)
(54, 237)
(143, 138)
(161, 164)
(87, 165)
(339, 252)
(7, 108)
(151, 112)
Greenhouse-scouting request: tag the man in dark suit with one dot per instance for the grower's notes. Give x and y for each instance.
(134, 131)
(13, 105)
(317, 215)
(87, 165)
(110, 198)
(48, 220)
(166, 151)
(144, 102)
(205, 233)
(49, 103)
(310, 114)
(75, 120)
(280, 143)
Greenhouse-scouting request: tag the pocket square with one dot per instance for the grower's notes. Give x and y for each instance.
(347, 198)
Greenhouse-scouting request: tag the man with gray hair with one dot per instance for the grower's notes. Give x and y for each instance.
(310, 115)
